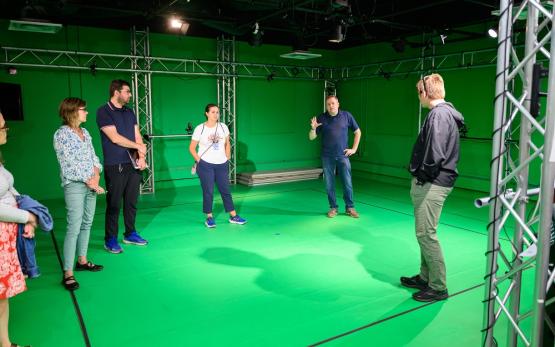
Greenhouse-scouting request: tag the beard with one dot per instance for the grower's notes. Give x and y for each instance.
(122, 100)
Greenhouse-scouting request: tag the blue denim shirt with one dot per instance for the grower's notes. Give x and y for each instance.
(25, 246)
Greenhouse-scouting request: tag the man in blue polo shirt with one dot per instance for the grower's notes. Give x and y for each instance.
(333, 126)
(121, 139)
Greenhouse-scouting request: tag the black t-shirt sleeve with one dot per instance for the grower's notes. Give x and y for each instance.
(134, 119)
(353, 125)
(103, 118)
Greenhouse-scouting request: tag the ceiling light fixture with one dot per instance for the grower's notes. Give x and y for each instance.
(442, 37)
(338, 34)
(34, 26)
(399, 45)
(257, 33)
(179, 25)
(176, 23)
(492, 33)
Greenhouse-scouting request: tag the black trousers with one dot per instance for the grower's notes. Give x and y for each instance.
(122, 181)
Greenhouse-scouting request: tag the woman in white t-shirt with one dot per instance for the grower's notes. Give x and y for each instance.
(214, 151)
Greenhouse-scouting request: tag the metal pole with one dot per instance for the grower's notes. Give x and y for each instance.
(548, 177)
(234, 116)
(522, 186)
(503, 54)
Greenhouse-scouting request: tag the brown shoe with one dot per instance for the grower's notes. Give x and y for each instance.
(352, 212)
(332, 212)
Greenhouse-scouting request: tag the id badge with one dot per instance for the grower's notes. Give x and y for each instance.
(216, 145)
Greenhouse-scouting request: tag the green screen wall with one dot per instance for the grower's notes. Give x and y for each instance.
(272, 117)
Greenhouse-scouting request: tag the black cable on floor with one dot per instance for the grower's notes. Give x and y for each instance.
(389, 318)
(411, 215)
(72, 294)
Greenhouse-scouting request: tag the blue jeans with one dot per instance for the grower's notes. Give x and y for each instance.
(343, 167)
(80, 206)
(218, 173)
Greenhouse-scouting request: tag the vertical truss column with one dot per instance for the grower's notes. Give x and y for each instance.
(523, 175)
(141, 89)
(330, 88)
(427, 44)
(510, 170)
(226, 96)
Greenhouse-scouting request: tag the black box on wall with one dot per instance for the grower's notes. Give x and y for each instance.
(11, 103)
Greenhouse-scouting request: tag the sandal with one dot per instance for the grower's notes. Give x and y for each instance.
(70, 283)
(88, 266)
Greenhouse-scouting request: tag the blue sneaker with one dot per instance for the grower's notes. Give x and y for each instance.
(134, 239)
(237, 220)
(112, 245)
(210, 222)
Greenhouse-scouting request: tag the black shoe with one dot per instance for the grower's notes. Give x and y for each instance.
(414, 282)
(70, 283)
(429, 295)
(88, 266)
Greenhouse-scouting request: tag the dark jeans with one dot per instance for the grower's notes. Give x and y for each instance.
(122, 181)
(218, 173)
(343, 167)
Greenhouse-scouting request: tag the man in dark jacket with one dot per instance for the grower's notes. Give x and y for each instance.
(434, 168)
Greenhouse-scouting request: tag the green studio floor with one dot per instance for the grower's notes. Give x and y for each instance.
(290, 277)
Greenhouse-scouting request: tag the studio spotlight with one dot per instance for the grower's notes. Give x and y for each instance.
(399, 45)
(339, 3)
(12, 70)
(271, 76)
(256, 38)
(176, 23)
(442, 37)
(92, 68)
(384, 74)
(492, 33)
(179, 25)
(184, 28)
(338, 34)
(299, 43)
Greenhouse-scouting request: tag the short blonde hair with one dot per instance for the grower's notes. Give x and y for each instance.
(69, 110)
(432, 85)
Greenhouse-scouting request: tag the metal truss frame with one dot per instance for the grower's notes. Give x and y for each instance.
(510, 166)
(330, 88)
(74, 60)
(227, 87)
(418, 65)
(141, 65)
(520, 139)
(142, 96)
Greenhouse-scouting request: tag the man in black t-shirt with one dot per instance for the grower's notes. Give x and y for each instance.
(121, 140)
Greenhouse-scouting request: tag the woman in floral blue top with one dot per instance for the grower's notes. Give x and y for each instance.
(80, 174)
